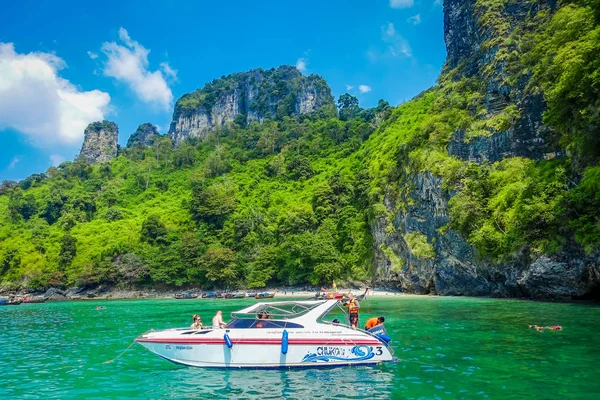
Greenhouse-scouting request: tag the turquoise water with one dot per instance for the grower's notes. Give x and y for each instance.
(448, 348)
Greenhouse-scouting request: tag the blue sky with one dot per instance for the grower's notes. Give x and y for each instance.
(64, 64)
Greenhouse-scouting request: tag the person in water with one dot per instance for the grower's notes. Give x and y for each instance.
(197, 325)
(373, 322)
(544, 328)
(217, 321)
(353, 308)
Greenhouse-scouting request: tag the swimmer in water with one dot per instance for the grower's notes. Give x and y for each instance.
(549, 328)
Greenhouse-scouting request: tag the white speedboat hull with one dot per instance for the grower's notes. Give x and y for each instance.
(265, 353)
(303, 342)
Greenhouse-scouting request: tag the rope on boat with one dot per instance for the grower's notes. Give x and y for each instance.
(114, 359)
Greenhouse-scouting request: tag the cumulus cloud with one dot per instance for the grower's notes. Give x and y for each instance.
(364, 88)
(36, 101)
(301, 64)
(415, 19)
(127, 62)
(401, 3)
(92, 55)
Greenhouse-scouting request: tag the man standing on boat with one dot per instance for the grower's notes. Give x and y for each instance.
(353, 307)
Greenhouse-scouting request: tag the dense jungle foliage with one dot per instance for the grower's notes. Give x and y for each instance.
(292, 200)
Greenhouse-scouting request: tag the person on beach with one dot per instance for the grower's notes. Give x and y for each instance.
(353, 308)
(217, 321)
(373, 322)
(197, 325)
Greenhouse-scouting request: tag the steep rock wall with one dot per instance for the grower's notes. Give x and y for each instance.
(245, 97)
(453, 266)
(100, 142)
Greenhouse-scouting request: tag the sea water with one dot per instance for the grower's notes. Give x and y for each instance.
(447, 348)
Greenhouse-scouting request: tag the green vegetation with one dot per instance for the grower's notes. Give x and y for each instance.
(273, 202)
(294, 199)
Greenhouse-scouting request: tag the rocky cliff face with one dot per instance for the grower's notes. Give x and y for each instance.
(100, 142)
(451, 266)
(476, 33)
(255, 95)
(144, 136)
(456, 269)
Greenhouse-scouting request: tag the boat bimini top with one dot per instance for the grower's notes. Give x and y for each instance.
(282, 314)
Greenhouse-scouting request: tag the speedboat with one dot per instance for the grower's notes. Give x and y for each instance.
(10, 302)
(31, 300)
(273, 335)
(186, 296)
(265, 295)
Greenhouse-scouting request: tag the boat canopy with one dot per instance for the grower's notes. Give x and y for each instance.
(282, 309)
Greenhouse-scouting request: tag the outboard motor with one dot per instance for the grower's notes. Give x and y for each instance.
(380, 332)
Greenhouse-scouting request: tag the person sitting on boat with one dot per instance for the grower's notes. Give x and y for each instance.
(197, 325)
(373, 322)
(217, 321)
(353, 308)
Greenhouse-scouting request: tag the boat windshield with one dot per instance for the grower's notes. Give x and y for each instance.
(249, 323)
(277, 310)
(336, 315)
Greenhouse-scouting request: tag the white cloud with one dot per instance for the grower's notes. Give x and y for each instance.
(389, 30)
(364, 88)
(415, 19)
(169, 72)
(92, 55)
(56, 159)
(128, 63)
(349, 87)
(301, 64)
(14, 162)
(396, 44)
(36, 101)
(401, 3)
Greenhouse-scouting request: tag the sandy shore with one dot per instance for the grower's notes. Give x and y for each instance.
(104, 293)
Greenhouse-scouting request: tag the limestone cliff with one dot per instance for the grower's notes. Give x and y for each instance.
(100, 142)
(479, 45)
(478, 51)
(255, 95)
(144, 136)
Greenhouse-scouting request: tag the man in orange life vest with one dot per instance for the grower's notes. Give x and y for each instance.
(353, 307)
(373, 322)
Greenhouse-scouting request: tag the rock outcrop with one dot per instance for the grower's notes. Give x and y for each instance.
(144, 136)
(473, 42)
(456, 268)
(244, 97)
(453, 267)
(100, 142)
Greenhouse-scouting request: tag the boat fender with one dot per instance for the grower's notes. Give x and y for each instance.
(284, 342)
(228, 341)
(384, 337)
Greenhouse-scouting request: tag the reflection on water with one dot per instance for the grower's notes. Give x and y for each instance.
(345, 383)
